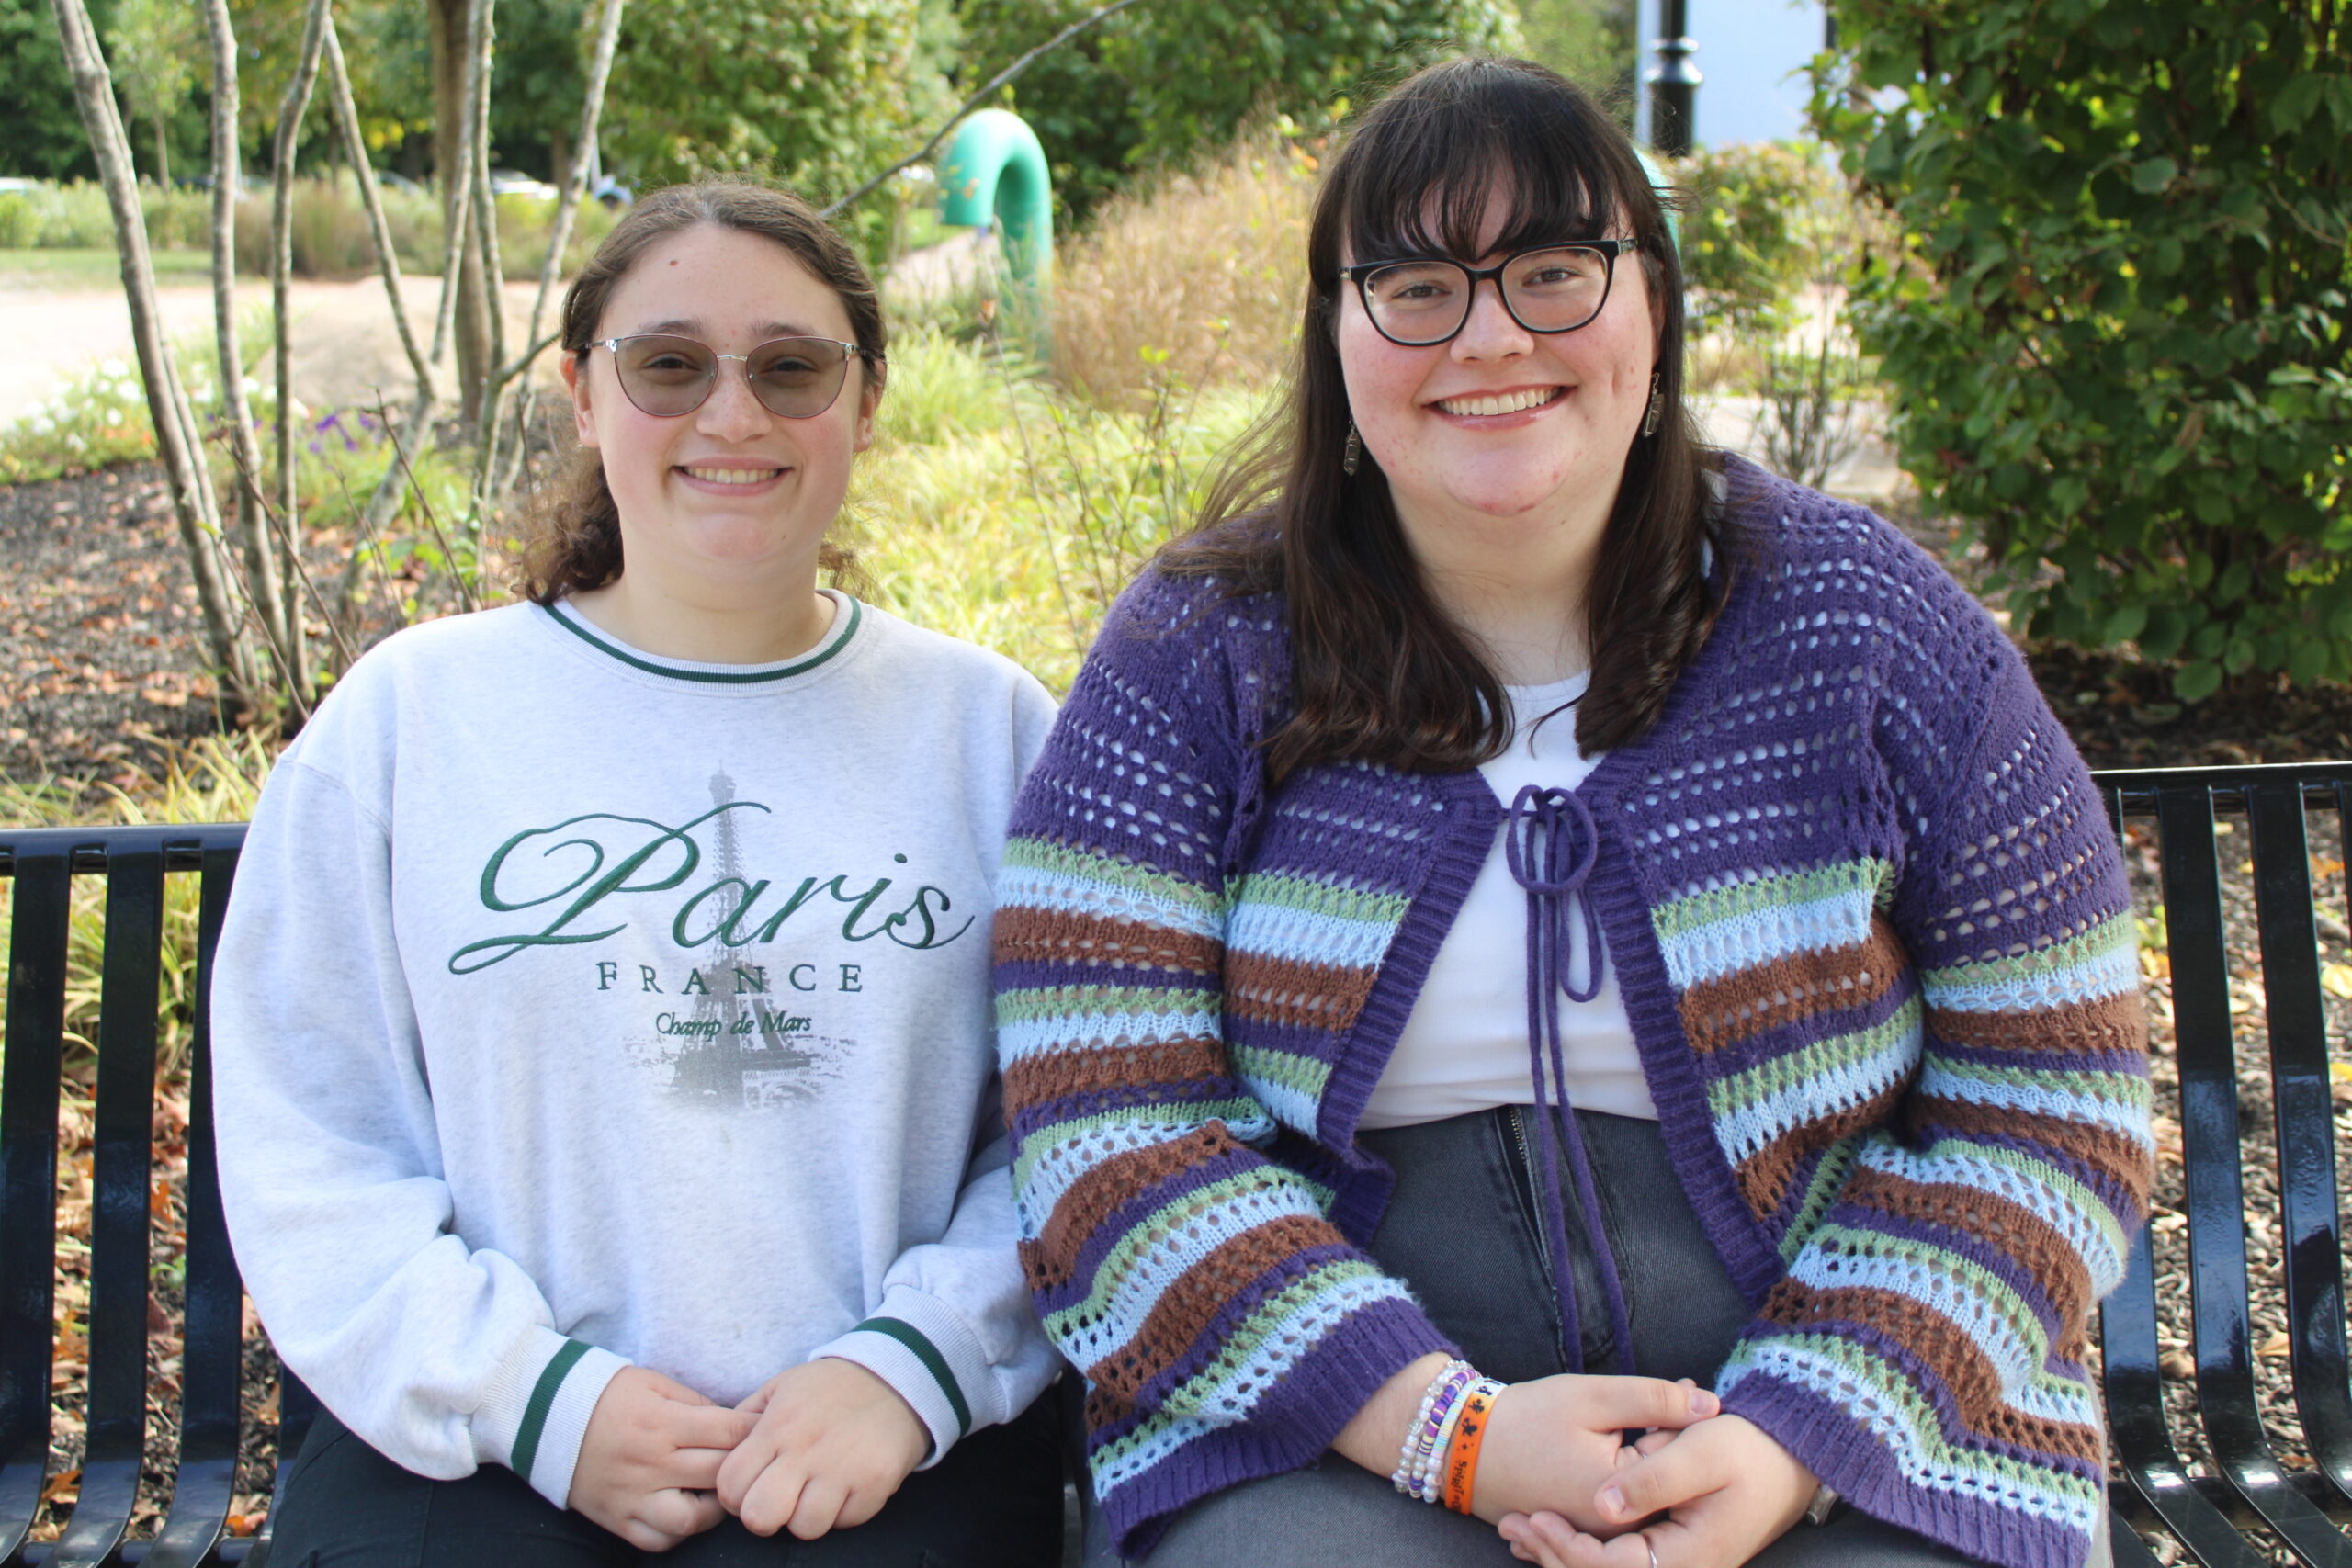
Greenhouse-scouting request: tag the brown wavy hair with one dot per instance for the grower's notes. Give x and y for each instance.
(1380, 673)
(571, 534)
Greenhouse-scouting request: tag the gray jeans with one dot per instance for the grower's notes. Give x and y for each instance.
(1463, 1229)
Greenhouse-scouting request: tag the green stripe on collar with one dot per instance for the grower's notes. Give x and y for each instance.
(835, 640)
(542, 1400)
(907, 1333)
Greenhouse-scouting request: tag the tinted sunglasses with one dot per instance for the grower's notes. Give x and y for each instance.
(793, 377)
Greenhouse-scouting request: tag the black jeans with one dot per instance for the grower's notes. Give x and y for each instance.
(994, 1502)
(1464, 1231)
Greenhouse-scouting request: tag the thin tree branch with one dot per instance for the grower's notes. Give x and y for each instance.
(193, 502)
(355, 146)
(999, 80)
(274, 602)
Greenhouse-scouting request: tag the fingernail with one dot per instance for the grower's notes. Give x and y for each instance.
(1702, 1403)
(1612, 1500)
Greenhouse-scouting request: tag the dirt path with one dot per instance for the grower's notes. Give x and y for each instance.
(346, 350)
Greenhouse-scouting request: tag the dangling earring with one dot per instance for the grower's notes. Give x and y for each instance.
(1352, 452)
(1657, 406)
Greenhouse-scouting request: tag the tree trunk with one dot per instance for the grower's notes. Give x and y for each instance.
(183, 454)
(163, 154)
(290, 109)
(453, 169)
(252, 531)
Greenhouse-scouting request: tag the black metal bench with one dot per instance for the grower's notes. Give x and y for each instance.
(2249, 1509)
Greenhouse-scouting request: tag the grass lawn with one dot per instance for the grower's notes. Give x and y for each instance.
(94, 268)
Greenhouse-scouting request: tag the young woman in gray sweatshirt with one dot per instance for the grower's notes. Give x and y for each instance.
(604, 1063)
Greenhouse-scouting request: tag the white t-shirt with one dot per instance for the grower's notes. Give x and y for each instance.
(1465, 1048)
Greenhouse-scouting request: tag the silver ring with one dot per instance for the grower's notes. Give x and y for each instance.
(1652, 1545)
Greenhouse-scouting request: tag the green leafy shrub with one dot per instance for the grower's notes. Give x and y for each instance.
(1137, 91)
(2129, 371)
(819, 95)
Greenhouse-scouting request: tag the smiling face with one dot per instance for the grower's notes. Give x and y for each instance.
(730, 495)
(1501, 422)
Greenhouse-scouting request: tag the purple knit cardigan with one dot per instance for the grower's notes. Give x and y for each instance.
(1872, 933)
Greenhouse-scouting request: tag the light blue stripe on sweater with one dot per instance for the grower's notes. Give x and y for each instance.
(2123, 1111)
(1762, 935)
(1227, 1390)
(1985, 1309)
(1746, 1130)
(2069, 1208)
(1054, 1156)
(1299, 936)
(1844, 1376)
(1158, 1250)
(1019, 1039)
(1066, 891)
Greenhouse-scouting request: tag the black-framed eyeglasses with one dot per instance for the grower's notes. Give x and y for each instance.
(793, 377)
(1420, 300)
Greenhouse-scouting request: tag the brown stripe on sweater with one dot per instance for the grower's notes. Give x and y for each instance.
(2129, 1163)
(1192, 1299)
(2011, 1228)
(1089, 1202)
(1126, 1065)
(2107, 1023)
(1026, 935)
(1287, 991)
(1951, 1356)
(1764, 1176)
(1739, 1006)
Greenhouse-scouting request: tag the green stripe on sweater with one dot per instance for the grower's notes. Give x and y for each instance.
(934, 1364)
(1773, 894)
(542, 1400)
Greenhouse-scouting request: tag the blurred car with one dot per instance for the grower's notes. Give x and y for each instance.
(514, 182)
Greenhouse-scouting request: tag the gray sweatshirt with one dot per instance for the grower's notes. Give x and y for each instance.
(578, 1007)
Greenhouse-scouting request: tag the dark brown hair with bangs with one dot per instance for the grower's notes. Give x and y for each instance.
(572, 533)
(1380, 673)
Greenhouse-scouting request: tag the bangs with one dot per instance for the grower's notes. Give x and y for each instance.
(1424, 180)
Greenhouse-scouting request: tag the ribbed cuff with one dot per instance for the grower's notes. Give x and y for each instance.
(933, 1358)
(535, 1412)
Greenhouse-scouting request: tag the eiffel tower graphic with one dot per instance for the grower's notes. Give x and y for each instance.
(749, 1059)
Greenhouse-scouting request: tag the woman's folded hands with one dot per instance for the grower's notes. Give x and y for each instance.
(1709, 1495)
(818, 1447)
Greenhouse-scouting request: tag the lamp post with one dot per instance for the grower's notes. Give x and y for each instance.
(1674, 83)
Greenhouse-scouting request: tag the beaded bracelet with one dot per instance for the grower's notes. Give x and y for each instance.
(1418, 1456)
(1429, 1480)
(1461, 1464)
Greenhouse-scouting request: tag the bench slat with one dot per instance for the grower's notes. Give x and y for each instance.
(2313, 1232)
(212, 1357)
(2213, 1153)
(28, 1094)
(120, 1218)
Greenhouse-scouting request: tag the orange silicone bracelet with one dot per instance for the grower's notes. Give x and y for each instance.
(1462, 1453)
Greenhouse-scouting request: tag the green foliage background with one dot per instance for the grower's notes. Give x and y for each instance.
(1161, 81)
(2125, 359)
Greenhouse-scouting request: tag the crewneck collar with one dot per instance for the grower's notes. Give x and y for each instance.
(847, 614)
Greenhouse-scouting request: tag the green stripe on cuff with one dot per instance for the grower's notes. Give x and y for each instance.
(535, 1413)
(907, 1333)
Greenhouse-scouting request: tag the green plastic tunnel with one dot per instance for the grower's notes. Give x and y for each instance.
(996, 171)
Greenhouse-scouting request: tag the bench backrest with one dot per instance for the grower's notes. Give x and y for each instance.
(2182, 804)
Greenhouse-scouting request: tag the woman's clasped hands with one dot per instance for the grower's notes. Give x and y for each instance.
(818, 1447)
(1711, 1494)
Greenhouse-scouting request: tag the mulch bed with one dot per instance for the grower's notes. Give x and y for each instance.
(100, 644)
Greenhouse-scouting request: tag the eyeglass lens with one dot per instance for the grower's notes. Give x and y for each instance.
(1554, 290)
(793, 377)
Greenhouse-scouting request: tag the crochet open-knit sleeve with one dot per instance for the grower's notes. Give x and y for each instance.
(1924, 1353)
(1225, 1327)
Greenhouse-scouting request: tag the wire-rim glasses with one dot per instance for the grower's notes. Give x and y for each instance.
(1419, 301)
(793, 377)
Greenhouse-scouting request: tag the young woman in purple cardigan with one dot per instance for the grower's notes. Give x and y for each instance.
(1530, 929)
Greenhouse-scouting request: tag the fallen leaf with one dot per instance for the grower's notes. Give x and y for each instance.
(2337, 979)
(2176, 1365)
(2275, 1347)
(63, 1487)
